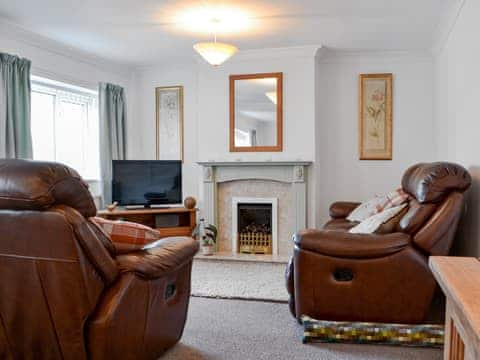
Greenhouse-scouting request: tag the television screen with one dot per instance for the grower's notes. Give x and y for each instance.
(147, 182)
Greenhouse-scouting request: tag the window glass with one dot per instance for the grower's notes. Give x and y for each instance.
(65, 126)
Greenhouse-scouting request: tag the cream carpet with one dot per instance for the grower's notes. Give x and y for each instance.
(239, 280)
(251, 330)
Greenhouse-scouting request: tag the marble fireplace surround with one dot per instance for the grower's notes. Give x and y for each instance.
(288, 172)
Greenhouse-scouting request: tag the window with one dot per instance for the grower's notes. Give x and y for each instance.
(65, 126)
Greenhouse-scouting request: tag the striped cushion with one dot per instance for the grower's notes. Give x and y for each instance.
(127, 232)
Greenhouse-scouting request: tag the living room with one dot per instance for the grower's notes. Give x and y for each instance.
(313, 115)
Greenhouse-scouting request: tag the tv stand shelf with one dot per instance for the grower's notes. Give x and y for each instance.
(185, 219)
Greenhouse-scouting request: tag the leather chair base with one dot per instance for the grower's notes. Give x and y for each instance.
(397, 288)
(141, 318)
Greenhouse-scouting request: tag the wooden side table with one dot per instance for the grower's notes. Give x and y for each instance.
(459, 278)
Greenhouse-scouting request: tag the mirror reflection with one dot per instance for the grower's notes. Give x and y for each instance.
(256, 110)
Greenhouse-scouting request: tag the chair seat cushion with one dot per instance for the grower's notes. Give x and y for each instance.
(344, 244)
(159, 258)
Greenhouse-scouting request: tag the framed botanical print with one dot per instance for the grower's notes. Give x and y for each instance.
(169, 116)
(375, 116)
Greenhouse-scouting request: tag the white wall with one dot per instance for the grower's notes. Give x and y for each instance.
(457, 111)
(341, 176)
(206, 107)
(298, 68)
(298, 112)
(320, 117)
(58, 62)
(143, 128)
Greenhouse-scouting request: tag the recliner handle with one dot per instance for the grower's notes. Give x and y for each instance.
(170, 290)
(343, 274)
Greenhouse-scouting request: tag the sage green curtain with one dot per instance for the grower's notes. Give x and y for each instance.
(112, 116)
(15, 133)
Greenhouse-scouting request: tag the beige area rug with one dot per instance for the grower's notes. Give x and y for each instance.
(239, 280)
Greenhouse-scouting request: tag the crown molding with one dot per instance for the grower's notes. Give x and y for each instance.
(445, 27)
(177, 62)
(18, 33)
(330, 56)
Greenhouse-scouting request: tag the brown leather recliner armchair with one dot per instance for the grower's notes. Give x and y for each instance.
(336, 275)
(65, 293)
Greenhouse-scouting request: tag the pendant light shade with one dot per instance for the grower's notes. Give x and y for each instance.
(215, 53)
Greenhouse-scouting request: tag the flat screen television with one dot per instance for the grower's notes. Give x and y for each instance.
(147, 182)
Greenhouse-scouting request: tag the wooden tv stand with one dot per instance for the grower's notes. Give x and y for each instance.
(186, 219)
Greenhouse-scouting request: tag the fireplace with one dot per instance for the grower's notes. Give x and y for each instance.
(254, 229)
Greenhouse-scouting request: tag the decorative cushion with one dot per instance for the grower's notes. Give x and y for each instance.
(393, 224)
(370, 225)
(377, 205)
(127, 232)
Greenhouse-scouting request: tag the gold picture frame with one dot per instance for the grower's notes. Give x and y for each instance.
(375, 116)
(169, 122)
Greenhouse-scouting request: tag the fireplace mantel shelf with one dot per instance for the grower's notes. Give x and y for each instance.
(255, 163)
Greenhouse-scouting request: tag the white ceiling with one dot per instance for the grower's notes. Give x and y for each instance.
(144, 32)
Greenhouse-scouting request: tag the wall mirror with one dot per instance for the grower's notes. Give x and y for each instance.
(256, 110)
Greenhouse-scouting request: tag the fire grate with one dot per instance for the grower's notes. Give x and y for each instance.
(255, 228)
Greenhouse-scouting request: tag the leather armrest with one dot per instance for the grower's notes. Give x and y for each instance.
(159, 258)
(347, 245)
(124, 248)
(341, 209)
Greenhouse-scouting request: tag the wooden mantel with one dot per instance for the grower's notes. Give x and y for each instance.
(459, 278)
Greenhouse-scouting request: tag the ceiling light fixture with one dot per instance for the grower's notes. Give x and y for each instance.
(215, 53)
(215, 20)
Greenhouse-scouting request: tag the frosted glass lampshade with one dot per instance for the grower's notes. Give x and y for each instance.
(215, 53)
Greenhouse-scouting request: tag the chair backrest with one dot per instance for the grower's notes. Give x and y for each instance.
(53, 265)
(436, 206)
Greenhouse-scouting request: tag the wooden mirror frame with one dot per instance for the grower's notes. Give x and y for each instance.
(274, 148)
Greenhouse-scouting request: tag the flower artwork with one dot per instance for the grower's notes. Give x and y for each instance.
(375, 117)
